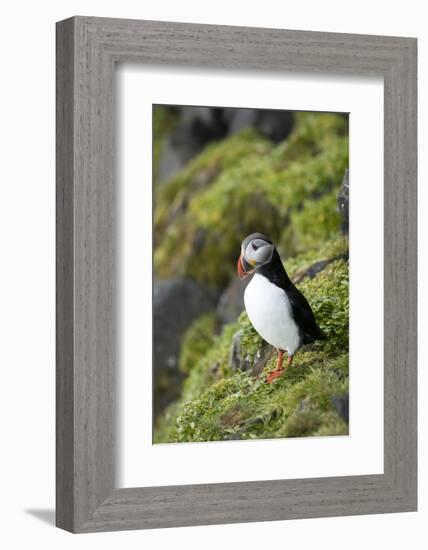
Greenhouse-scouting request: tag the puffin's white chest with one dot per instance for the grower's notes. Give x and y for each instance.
(269, 311)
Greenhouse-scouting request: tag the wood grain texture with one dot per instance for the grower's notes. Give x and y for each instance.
(64, 276)
(87, 50)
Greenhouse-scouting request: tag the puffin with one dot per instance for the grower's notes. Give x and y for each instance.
(277, 310)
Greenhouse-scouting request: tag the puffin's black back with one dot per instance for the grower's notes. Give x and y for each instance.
(303, 315)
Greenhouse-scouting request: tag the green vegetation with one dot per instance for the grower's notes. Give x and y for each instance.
(197, 341)
(240, 185)
(219, 403)
(245, 184)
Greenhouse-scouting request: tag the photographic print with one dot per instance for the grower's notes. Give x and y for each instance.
(251, 279)
(240, 199)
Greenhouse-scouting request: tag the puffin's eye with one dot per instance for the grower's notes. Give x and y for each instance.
(255, 247)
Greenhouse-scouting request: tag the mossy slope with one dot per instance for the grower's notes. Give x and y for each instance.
(218, 403)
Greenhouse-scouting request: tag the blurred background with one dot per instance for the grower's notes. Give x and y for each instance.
(220, 174)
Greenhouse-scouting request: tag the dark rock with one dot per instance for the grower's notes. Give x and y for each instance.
(231, 302)
(199, 240)
(238, 119)
(343, 202)
(273, 124)
(341, 404)
(239, 359)
(176, 304)
(199, 126)
(261, 358)
(316, 268)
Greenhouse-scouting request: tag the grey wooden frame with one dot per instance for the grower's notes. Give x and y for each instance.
(87, 50)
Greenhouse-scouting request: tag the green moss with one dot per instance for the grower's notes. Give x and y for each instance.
(314, 132)
(213, 365)
(328, 294)
(332, 424)
(244, 184)
(202, 171)
(197, 341)
(337, 247)
(251, 341)
(220, 404)
(242, 407)
(316, 222)
(165, 429)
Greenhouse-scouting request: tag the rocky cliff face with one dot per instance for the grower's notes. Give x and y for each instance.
(176, 304)
(289, 190)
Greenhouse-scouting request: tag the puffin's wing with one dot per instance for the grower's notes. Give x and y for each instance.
(304, 316)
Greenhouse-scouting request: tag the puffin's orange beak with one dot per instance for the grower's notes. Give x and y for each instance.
(241, 271)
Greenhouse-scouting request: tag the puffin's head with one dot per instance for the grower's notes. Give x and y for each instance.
(256, 250)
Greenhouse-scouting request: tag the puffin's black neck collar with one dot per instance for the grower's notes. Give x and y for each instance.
(274, 271)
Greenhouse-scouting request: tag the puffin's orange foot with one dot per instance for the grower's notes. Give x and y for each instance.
(274, 375)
